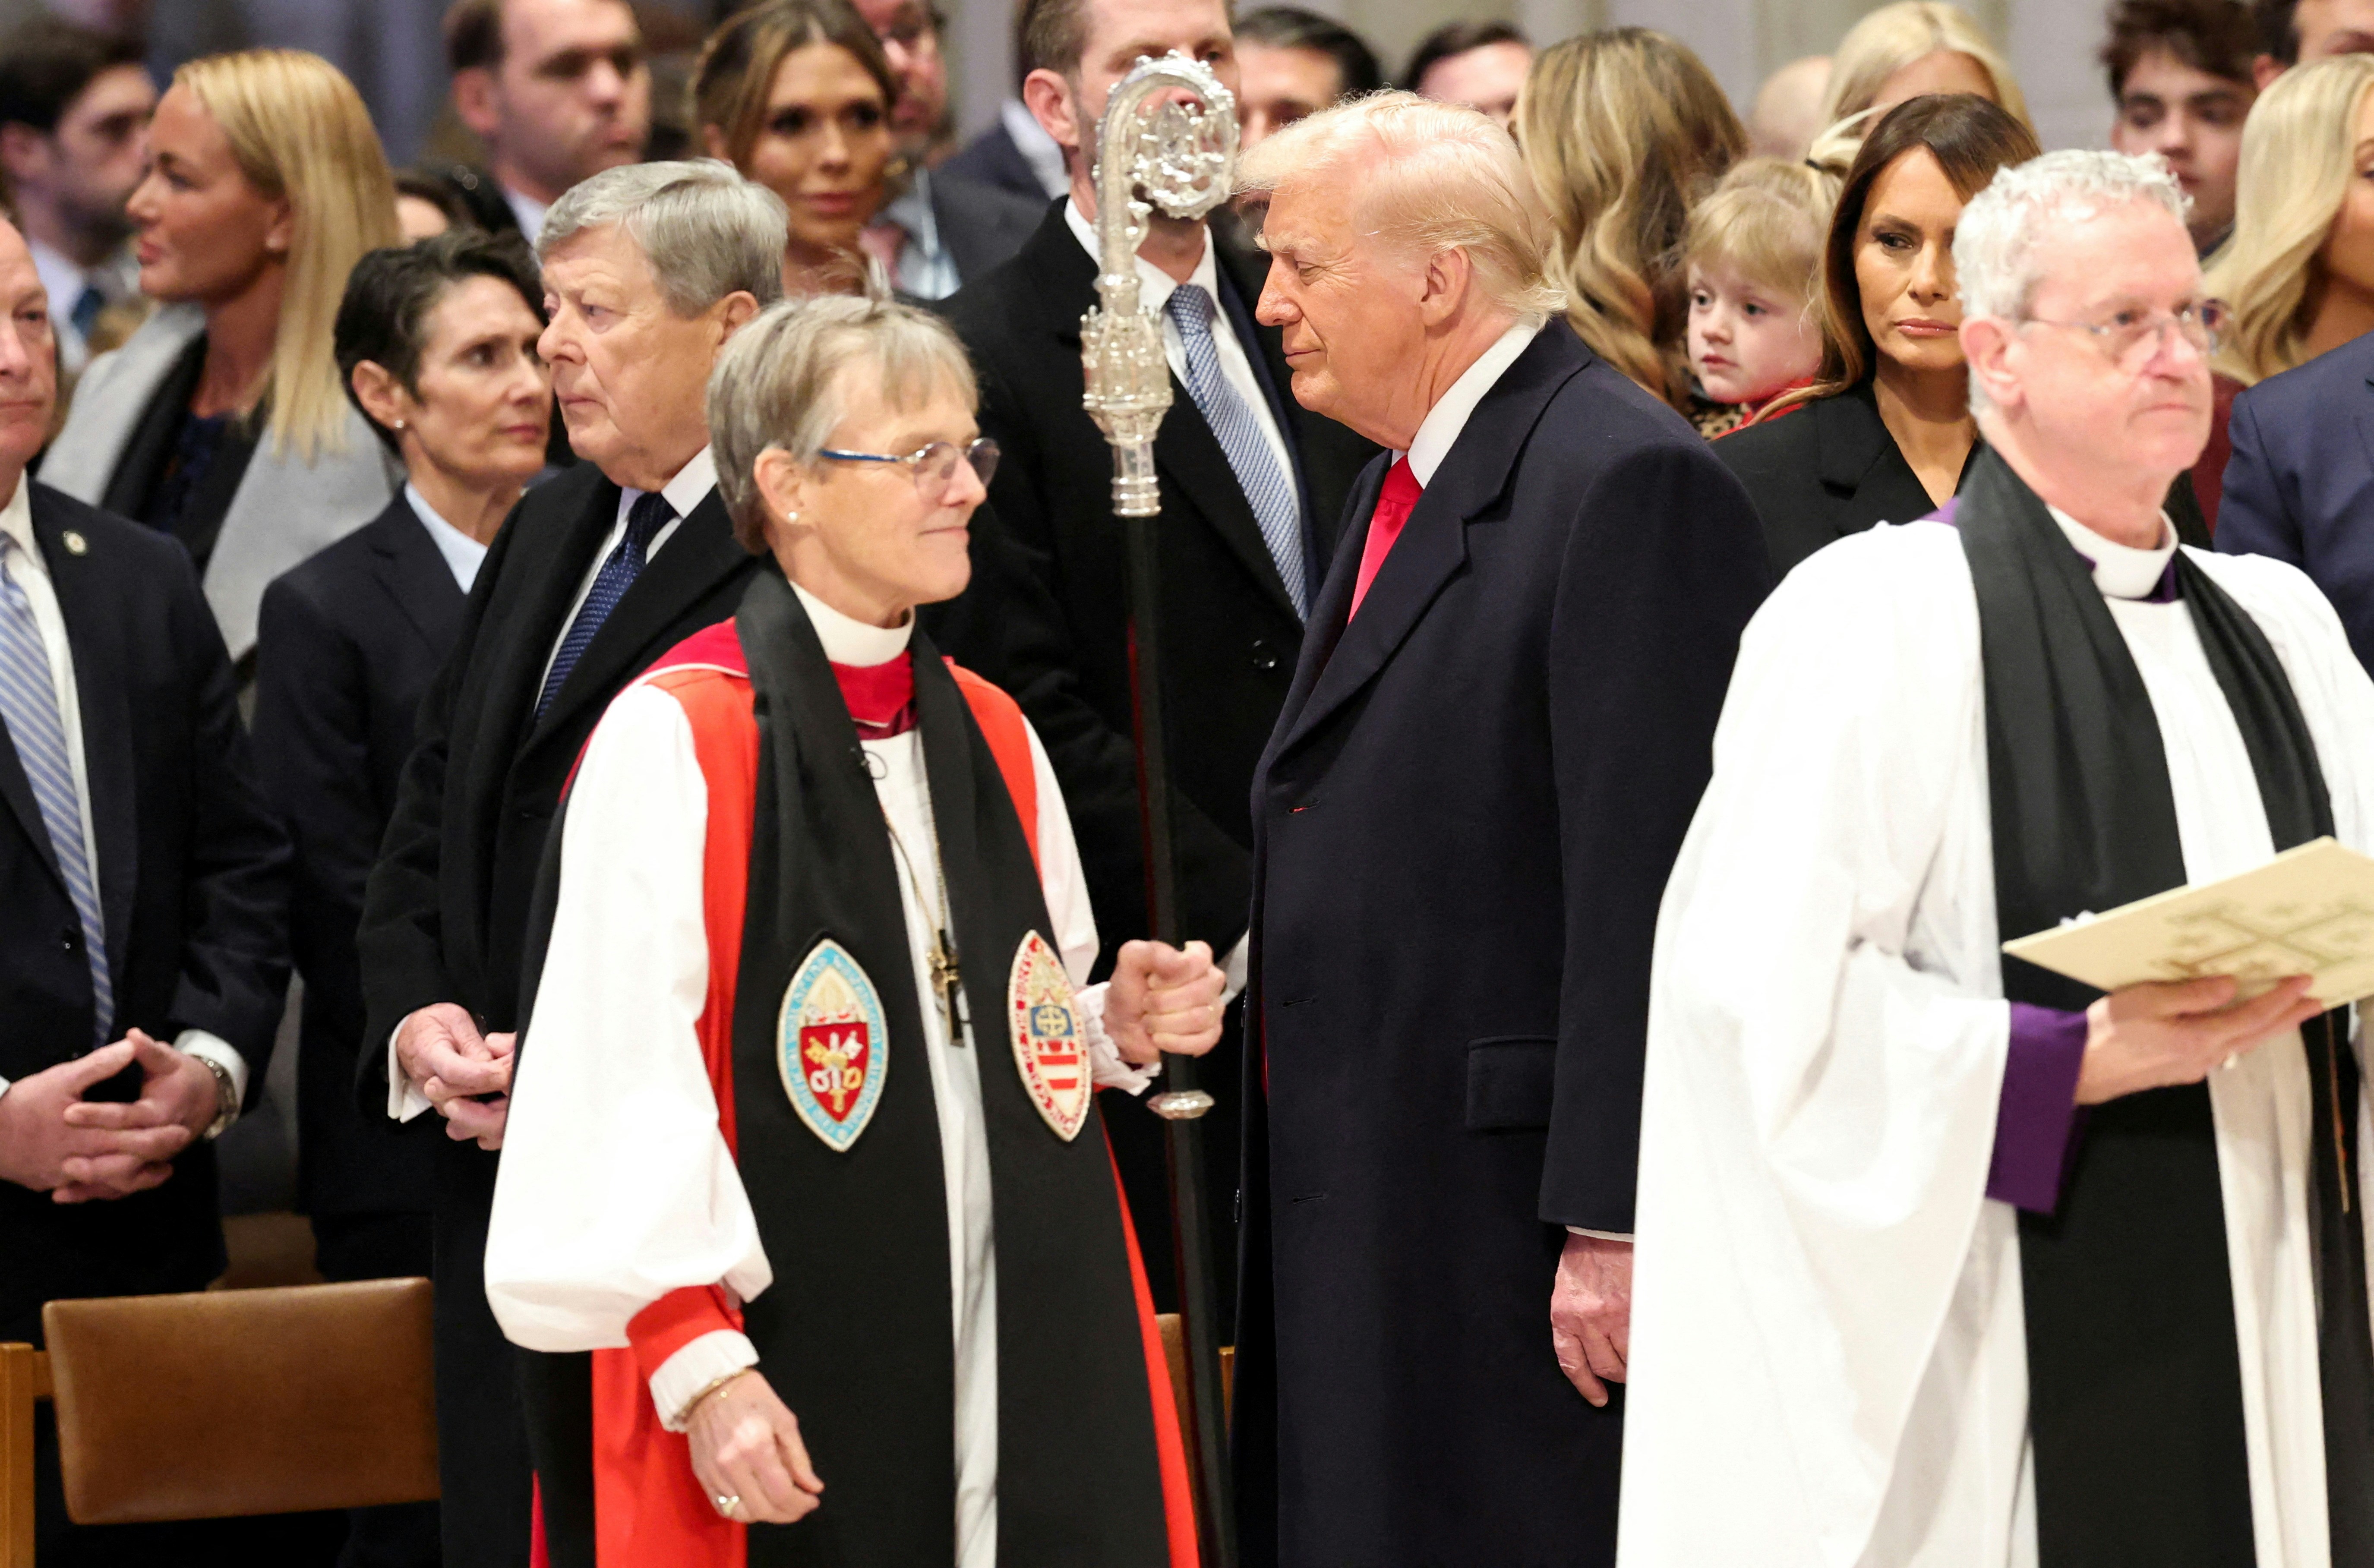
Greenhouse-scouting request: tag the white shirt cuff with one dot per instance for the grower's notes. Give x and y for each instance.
(1109, 1069)
(1232, 969)
(215, 1050)
(720, 1353)
(403, 1100)
(1601, 1236)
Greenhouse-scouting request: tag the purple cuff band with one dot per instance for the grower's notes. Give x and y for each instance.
(2037, 1119)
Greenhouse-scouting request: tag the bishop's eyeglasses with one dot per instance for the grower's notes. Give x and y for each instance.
(2131, 337)
(935, 466)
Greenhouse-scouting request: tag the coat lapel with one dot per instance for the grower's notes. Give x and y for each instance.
(94, 633)
(1433, 544)
(698, 557)
(533, 629)
(409, 566)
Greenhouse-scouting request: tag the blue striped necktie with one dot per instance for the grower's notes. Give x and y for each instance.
(649, 513)
(1250, 455)
(29, 705)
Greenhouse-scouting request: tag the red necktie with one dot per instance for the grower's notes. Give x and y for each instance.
(1400, 494)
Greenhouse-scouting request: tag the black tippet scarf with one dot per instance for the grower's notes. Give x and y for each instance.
(856, 1333)
(2134, 1383)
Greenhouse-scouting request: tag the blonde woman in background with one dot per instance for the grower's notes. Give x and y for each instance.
(2297, 272)
(1915, 46)
(796, 94)
(1623, 130)
(222, 421)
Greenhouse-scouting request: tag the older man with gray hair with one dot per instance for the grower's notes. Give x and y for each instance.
(1484, 767)
(650, 269)
(1947, 1259)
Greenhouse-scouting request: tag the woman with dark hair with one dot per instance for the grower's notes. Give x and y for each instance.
(1884, 434)
(796, 94)
(436, 345)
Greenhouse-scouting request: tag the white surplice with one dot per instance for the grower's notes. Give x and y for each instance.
(615, 1185)
(1829, 1360)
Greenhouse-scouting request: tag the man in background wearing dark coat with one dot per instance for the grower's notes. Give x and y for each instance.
(596, 573)
(143, 901)
(1252, 487)
(1498, 730)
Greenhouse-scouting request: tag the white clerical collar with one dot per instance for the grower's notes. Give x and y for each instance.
(1439, 430)
(463, 553)
(1155, 286)
(2121, 572)
(847, 640)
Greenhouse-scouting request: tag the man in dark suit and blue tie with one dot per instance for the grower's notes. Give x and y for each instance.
(596, 573)
(143, 892)
(1500, 724)
(1252, 487)
(2299, 486)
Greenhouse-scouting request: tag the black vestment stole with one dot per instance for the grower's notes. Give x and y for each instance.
(856, 1333)
(2134, 1380)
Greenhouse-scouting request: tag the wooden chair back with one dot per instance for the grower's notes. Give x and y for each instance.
(24, 1382)
(233, 1403)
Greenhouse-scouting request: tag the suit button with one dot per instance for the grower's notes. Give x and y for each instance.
(1264, 657)
(70, 939)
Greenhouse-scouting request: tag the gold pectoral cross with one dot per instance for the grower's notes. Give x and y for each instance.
(949, 981)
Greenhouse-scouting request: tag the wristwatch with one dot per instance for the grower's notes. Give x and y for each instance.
(226, 1096)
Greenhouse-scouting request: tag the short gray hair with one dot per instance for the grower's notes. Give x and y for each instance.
(1995, 243)
(706, 232)
(781, 382)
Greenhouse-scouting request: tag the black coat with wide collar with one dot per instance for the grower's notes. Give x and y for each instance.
(347, 645)
(1463, 828)
(193, 896)
(445, 913)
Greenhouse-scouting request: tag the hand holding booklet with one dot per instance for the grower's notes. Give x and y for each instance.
(2308, 911)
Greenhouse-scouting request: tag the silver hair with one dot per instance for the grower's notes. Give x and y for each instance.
(1995, 270)
(782, 382)
(706, 232)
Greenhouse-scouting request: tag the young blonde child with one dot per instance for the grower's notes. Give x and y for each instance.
(1753, 253)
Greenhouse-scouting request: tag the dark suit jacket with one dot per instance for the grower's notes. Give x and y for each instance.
(480, 196)
(992, 158)
(347, 643)
(1829, 468)
(981, 225)
(445, 912)
(1463, 828)
(2300, 484)
(192, 886)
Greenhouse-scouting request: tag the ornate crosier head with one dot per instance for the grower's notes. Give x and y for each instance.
(1179, 155)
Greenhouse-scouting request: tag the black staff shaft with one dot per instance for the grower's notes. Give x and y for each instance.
(1183, 1137)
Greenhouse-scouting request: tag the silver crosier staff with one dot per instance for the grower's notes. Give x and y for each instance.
(1167, 140)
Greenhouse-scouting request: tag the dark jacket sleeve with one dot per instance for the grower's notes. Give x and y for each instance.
(2256, 518)
(1662, 570)
(401, 941)
(313, 750)
(234, 977)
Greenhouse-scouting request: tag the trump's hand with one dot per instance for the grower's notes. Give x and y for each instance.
(1163, 998)
(1591, 1313)
(440, 1049)
(745, 1443)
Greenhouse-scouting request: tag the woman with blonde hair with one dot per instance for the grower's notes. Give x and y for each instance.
(1622, 132)
(2297, 272)
(223, 420)
(1915, 46)
(796, 94)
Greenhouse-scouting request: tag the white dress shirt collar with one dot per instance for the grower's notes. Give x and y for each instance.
(1438, 432)
(1155, 285)
(463, 553)
(16, 522)
(2121, 572)
(525, 210)
(847, 640)
(1039, 149)
(687, 489)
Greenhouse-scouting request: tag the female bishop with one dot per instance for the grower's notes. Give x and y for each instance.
(808, 1155)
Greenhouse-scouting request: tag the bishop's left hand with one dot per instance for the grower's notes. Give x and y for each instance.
(1591, 1313)
(1164, 999)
